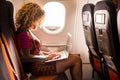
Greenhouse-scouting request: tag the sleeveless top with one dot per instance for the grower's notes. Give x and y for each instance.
(25, 41)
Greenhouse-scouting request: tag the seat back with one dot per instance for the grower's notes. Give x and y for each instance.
(5, 67)
(88, 25)
(118, 20)
(90, 37)
(107, 34)
(16, 67)
(5, 25)
(106, 29)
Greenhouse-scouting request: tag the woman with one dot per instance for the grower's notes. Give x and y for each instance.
(28, 18)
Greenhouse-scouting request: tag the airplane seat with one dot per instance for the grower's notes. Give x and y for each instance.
(118, 26)
(4, 69)
(5, 64)
(10, 15)
(13, 69)
(90, 37)
(107, 37)
(118, 19)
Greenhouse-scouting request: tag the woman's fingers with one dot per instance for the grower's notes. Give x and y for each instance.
(53, 56)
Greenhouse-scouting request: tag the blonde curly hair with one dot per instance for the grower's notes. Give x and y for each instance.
(27, 14)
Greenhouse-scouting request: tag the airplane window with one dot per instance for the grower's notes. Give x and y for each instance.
(54, 17)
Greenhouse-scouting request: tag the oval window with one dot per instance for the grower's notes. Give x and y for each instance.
(54, 17)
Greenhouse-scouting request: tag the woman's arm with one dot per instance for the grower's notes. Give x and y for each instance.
(43, 48)
(25, 52)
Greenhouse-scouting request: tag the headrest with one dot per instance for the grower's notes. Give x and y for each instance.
(88, 7)
(105, 14)
(10, 15)
(4, 23)
(87, 14)
(3, 13)
(6, 17)
(105, 5)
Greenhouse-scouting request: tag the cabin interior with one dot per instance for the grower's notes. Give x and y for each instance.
(76, 24)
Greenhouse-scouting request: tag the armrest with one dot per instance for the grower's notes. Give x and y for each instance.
(34, 58)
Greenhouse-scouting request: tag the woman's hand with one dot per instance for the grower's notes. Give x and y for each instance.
(53, 55)
(48, 52)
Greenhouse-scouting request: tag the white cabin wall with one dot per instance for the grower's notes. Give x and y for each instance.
(94, 1)
(79, 45)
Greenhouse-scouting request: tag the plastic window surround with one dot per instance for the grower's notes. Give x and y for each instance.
(54, 17)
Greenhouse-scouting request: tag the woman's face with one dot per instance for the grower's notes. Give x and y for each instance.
(37, 23)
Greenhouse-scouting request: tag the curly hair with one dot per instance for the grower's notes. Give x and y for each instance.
(27, 14)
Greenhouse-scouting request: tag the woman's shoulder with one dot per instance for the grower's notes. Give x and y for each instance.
(22, 33)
